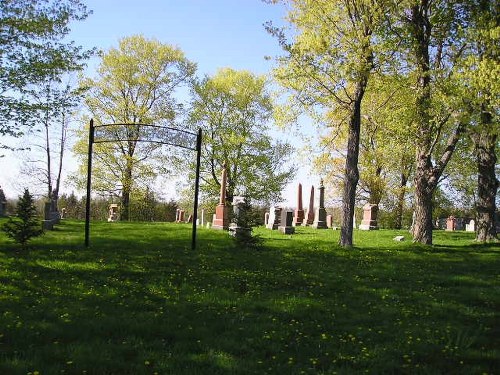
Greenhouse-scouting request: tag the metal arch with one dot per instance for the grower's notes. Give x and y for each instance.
(185, 140)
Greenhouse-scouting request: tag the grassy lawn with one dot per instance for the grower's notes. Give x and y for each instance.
(139, 301)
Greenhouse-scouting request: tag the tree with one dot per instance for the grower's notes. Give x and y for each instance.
(432, 30)
(386, 150)
(233, 109)
(327, 68)
(33, 48)
(53, 103)
(26, 225)
(481, 74)
(136, 84)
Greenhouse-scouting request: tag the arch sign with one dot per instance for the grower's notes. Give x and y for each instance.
(144, 133)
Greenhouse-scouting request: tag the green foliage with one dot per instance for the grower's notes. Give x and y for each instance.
(136, 84)
(246, 219)
(33, 49)
(233, 108)
(26, 224)
(140, 301)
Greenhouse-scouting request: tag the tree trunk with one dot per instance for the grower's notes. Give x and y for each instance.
(426, 174)
(485, 147)
(400, 204)
(351, 167)
(422, 225)
(126, 190)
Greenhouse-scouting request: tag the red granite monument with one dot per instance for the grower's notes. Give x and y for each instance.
(299, 212)
(369, 221)
(309, 218)
(221, 219)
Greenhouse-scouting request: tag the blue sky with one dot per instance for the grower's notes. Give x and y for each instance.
(212, 33)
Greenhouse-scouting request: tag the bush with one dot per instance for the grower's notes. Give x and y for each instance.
(26, 224)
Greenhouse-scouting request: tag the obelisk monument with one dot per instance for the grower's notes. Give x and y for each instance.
(309, 219)
(320, 217)
(299, 212)
(221, 220)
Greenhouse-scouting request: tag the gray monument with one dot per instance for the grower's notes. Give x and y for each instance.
(3, 203)
(286, 226)
(274, 218)
(320, 217)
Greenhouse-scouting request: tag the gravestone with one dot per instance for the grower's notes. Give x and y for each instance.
(286, 225)
(471, 226)
(369, 221)
(309, 216)
(320, 217)
(239, 227)
(274, 218)
(113, 212)
(221, 219)
(299, 212)
(266, 218)
(3, 203)
(329, 221)
(450, 223)
(47, 223)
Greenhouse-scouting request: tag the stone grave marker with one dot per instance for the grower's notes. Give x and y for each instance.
(221, 219)
(309, 216)
(298, 218)
(320, 216)
(450, 223)
(274, 218)
(369, 221)
(3, 203)
(113, 212)
(286, 225)
(329, 221)
(471, 226)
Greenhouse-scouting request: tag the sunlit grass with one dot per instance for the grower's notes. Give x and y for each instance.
(140, 301)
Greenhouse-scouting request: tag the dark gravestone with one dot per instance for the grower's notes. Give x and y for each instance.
(286, 226)
(3, 203)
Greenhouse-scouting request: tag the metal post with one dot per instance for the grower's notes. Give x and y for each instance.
(89, 176)
(196, 188)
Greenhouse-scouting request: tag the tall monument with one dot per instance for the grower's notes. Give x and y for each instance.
(320, 217)
(299, 212)
(221, 219)
(309, 219)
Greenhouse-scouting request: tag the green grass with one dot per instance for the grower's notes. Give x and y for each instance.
(139, 301)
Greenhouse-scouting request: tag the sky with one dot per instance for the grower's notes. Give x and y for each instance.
(212, 33)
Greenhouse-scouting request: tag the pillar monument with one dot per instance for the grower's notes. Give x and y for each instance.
(221, 219)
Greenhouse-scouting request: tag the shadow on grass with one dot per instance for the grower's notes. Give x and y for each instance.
(140, 301)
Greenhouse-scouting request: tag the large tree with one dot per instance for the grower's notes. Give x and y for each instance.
(482, 74)
(233, 108)
(326, 67)
(136, 83)
(34, 48)
(432, 41)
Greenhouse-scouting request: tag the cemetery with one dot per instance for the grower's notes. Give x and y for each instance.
(268, 187)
